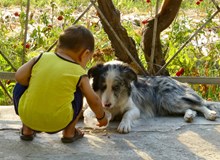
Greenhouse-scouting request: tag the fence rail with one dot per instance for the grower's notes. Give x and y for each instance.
(7, 75)
(198, 80)
(185, 79)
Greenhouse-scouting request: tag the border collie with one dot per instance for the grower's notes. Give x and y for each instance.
(128, 96)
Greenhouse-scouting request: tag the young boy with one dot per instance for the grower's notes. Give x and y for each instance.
(50, 88)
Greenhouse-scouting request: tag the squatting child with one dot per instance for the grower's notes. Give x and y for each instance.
(50, 88)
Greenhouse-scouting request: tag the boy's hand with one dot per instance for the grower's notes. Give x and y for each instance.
(102, 122)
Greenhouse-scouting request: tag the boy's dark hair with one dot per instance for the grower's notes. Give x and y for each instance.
(75, 38)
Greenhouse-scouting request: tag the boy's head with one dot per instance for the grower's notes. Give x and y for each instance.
(76, 38)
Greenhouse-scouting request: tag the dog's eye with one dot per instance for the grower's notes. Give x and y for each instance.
(116, 87)
(103, 87)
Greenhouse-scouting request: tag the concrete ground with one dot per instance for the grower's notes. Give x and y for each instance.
(164, 138)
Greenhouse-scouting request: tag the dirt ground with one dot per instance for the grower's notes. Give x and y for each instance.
(164, 138)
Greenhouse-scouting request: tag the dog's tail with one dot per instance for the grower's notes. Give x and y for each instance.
(215, 106)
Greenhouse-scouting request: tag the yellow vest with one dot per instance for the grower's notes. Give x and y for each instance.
(46, 104)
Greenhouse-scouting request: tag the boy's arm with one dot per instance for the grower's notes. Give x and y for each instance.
(93, 100)
(23, 74)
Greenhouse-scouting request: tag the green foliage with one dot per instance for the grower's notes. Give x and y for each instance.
(200, 50)
(199, 58)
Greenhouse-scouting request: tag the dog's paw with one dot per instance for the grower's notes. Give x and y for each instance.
(211, 115)
(124, 127)
(216, 108)
(189, 115)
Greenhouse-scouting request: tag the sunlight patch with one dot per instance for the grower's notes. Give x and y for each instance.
(197, 145)
(217, 128)
(140, 153)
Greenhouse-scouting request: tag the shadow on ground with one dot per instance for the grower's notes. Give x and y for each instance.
(164, 138)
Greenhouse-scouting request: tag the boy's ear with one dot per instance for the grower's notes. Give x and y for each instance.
(87, 51)
(95, 71)
(82, 54)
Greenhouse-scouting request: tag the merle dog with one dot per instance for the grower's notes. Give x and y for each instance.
(125, 94)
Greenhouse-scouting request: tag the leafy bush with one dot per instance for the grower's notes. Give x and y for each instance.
(48, 19)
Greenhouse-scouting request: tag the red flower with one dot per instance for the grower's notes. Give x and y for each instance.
(27, 46)
(180, 72)
(60, 18)
(16, 14)
(50, 26)
(145, 21)
(148, 1)
(198, 2)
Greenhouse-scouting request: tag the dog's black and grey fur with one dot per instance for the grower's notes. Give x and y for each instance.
(125, 94)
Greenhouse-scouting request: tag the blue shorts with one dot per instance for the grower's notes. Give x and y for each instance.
(77, 103)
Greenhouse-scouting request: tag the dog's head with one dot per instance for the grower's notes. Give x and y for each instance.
(112, 82)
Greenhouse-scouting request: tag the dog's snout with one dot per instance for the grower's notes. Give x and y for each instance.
(108, 105)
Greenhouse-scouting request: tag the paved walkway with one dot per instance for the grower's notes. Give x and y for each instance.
(164, 138)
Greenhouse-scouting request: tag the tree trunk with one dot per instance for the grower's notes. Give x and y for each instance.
(113, 17)
(166, 15)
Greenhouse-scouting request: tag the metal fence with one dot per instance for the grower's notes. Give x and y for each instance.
(185, 79)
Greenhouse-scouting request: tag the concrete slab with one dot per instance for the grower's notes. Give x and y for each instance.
(164, 138)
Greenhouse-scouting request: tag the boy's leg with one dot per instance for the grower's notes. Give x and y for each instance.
(70, 131)
(17, 93)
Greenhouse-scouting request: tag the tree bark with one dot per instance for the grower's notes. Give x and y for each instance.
(166, 16)
(113, 17)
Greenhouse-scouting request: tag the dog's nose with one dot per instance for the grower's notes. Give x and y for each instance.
(108, 105)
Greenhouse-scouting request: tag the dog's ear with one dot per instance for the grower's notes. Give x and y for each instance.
(129, 73)
(95, 71)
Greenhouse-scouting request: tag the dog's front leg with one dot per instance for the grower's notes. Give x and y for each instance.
(128, 118)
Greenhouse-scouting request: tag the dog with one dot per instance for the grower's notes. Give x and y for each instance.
(128, 96)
